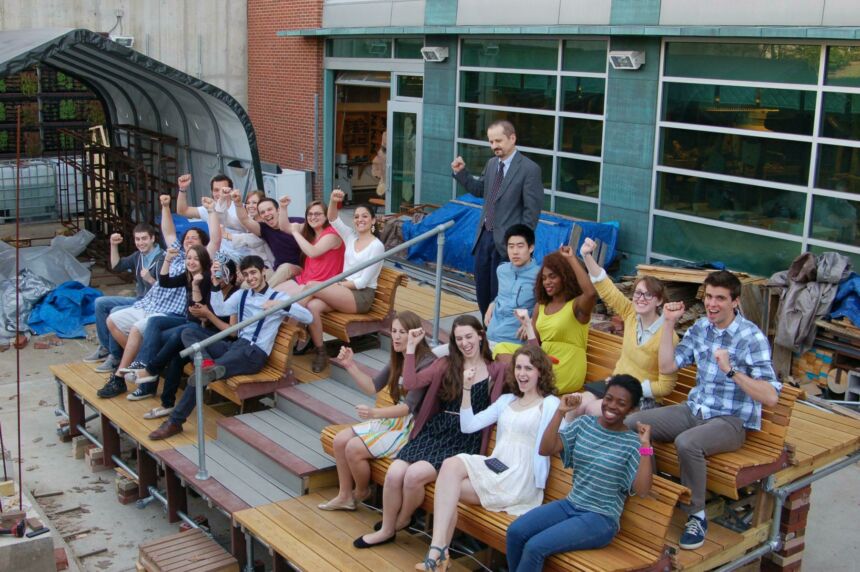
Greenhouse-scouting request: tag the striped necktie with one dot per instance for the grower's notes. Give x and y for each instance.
(494, 193)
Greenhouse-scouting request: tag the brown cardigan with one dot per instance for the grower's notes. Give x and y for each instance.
(431, 377)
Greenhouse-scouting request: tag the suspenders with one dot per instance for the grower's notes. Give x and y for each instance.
(259, 322)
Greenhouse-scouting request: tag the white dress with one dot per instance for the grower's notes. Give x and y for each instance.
(512, 491)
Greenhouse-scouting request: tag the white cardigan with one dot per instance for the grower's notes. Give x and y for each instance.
(471, 423)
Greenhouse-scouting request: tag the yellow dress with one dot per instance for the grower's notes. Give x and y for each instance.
(563, 337)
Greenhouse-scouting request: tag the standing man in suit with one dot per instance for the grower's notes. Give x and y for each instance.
(513, 194)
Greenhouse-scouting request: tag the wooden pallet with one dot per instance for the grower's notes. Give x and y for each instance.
(190, 551)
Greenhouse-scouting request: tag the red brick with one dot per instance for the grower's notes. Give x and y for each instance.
(61, 559)
(797, 515)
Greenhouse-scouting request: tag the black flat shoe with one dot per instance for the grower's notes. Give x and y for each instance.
(361, 543)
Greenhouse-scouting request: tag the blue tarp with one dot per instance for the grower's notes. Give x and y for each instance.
(846, 304)
(65, 310)
(552, 232)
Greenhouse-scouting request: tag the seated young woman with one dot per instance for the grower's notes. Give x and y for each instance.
(386, 429)
(605, 457)
(436, 431)
(513, 478)
(560, 320)
(322, 257)
(643, 325)
(355, 294)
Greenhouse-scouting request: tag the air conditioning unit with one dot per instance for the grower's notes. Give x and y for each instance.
(626, 60)
(127, 41)
(295, 184)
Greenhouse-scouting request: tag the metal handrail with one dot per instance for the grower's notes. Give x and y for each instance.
(197, 348)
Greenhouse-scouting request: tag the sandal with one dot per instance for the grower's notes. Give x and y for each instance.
(435, 564)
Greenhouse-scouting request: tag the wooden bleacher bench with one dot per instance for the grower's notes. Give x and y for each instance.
(274, 375)
(640, 545)
(763, 453)
(343, 326)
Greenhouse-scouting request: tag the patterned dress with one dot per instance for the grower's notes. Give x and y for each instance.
(441, 437)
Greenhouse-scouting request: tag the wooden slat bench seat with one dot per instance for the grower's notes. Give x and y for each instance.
(343, 326)
(276, 374)
(763, 453)
(640, 545)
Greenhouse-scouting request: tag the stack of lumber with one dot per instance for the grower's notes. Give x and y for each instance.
(813, 366)
(691, 275)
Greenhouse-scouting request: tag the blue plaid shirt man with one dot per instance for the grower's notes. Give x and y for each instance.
(166, 300)
(749, 353)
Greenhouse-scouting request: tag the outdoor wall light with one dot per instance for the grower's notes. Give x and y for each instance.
(626, 60)
(431, 54)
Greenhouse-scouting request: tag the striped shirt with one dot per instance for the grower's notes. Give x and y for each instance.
(160, 300)
(604, 465)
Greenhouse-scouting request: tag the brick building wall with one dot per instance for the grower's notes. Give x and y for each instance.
(284, 75)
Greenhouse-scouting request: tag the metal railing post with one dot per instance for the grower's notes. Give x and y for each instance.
(202, 473)
(437, 303)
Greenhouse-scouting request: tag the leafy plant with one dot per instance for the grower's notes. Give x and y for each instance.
(2, 112)
(68, 109)
(95, 115)
(4, 140)
(30, 115)
(29, 83)
(2, 85)
(66, 141)
(64, 82)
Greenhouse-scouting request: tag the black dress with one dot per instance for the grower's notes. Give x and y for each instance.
(441, 436)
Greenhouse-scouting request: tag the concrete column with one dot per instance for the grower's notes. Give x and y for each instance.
(628, 147)
(440, 109)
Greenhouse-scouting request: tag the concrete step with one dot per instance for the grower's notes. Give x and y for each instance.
(280, 446)
(233, 482)
(369, 361)
(321, 403)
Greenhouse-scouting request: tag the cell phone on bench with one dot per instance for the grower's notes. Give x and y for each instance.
(495, 465)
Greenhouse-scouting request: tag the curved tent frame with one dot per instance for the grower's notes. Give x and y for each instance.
(211, 127)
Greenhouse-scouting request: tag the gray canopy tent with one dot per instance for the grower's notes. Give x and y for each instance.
(212, 128)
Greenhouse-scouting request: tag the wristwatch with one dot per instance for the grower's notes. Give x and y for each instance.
(731, 373)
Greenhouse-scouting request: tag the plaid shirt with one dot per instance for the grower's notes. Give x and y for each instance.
(749, 353)
(166, 300)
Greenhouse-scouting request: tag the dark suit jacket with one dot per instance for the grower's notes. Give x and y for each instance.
(519, 200)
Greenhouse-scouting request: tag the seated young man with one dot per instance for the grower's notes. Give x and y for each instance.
(145, 264)
(128, 324)
(220, 187)
(284, 247)
(735, 377)
(245, 355)
(516, 290)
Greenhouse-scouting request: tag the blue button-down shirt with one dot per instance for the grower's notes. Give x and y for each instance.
(161, 300)
(749, 353)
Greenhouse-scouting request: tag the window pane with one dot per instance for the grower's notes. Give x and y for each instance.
(508, 89)
(532, 130)
(835, 220)
(360, 48)
(760, 255)
(843, 66)
(583, 94)
(584, 55)
(741, 156)
(408, 48)
(757, 207)
(781, 63)
(575, 208)
(580, 136)
(476, 158)
(500, 53)
(410, 85)
(841, 116)
(759, 109)
(838, 168)
(578, 177)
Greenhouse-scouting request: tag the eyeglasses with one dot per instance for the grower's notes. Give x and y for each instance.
(647, 296)
(314, 214)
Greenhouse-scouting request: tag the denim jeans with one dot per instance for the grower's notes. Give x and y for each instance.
(167, 361)
(552, 528)
(103, 307)
(158, 331)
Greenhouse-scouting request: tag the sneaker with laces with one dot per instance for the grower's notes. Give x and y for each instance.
(108, 365)
(132, 366)
(140, 376)
(142, 392)
(99, 355)
(694, 533)
(115, 386)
